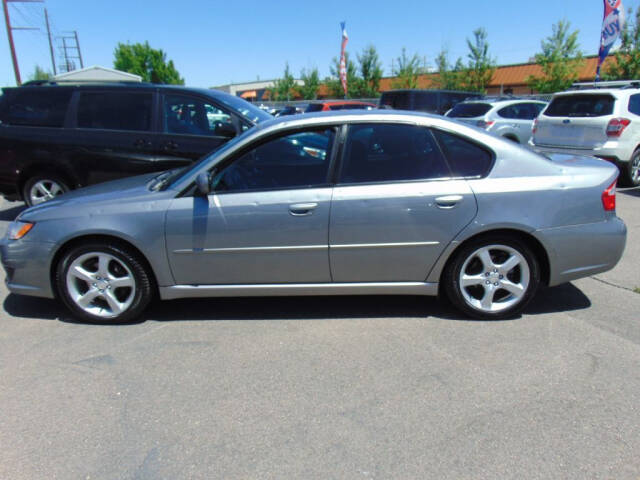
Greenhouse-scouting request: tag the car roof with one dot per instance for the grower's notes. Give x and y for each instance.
(616, 92)
(502, 101)
(342, 102)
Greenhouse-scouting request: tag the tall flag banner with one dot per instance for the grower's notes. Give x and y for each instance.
(343, 60)
(611, 27)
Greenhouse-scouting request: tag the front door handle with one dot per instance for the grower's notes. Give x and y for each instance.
(302, 209)
(141, 142)
(448, 201)
(171, 146)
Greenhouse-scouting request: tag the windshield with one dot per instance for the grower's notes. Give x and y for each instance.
(587, 105)
(314, 107)
(469, 110)
(250, 112)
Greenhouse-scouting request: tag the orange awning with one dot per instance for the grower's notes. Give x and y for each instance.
(249, 94)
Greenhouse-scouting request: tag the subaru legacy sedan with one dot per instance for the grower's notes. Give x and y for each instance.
(342, 203)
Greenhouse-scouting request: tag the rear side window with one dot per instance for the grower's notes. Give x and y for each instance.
(314, 107)
(391, 153)
(466, 158)
(36, 107)
(469, 110)
(425, 101)
(396, 100)
(634, 104)
(581, 106)
(115, 111)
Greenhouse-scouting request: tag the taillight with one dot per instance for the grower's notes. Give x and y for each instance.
(483, 124)
(609, 197)
(616, 126)
(534, 127)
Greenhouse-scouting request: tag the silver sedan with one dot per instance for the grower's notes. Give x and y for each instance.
(346, 203)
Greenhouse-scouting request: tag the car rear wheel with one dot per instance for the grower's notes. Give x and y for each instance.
(102, 283)
(631, 171)
(492, 278)
(42, 188)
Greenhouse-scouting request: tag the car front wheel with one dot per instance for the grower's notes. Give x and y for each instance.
(103, 283)
(492, 278)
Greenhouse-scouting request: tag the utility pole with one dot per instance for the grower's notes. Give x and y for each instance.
(53, 59)
(16, 68)
(10, 29)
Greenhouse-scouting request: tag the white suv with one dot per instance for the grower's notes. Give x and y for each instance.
(506, 117)
(603, 122)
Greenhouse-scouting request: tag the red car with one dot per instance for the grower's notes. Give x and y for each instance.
(339, 105)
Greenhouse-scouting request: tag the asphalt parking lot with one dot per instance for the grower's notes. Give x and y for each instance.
(317, 388)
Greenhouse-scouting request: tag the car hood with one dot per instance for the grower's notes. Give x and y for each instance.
(115, 191)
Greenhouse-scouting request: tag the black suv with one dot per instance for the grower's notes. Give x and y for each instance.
(431, 101)
(55, 138)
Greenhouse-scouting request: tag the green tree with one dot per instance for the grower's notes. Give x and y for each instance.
(450, 77)
(40, 74)
(311, 79)
(149, 63)
(481, 66)
(370, 69)
(335, 85)
(560, 60)
(627, 58)
(407, 70)
(284, 87)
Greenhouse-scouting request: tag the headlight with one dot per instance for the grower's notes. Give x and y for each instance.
(18, 229)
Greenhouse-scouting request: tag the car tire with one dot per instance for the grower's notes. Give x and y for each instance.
(630, 171)
(492, 278)
(43, 187)
(100, 282)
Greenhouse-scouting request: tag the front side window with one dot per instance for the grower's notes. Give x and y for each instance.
(129, 111)
(36, 107)
(185, 115)
(466, 158)
(390, 153)
(298, 160)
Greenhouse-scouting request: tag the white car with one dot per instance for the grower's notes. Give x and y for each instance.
(601, 122)
(506, 117)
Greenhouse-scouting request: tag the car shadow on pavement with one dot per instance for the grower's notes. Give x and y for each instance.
(10, 214)
(632, 193)
(549, 300)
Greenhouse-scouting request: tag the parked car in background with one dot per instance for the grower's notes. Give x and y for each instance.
(603, 122)
(288, 110)
(56, 138)
(330, 105)
(430, 101)
(327, 204)
(508, 117)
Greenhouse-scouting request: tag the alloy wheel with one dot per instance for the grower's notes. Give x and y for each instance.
(101, 284)
(494, 278)
(635, 170)
(44, 190)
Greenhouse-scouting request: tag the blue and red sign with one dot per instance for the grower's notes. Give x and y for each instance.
(612, 26)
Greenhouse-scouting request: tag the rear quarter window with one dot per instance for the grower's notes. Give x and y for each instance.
(591, 105)
(130, 111)
(634, 104)
(466, 158)
(35, 107)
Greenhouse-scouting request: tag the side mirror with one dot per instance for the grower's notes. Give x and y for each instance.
(203, 184)
(226, 130)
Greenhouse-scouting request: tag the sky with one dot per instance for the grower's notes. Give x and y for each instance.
(216, 42)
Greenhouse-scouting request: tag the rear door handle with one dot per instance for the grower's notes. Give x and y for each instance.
(302, 209)
(448, 201)
(141, 142)
(171, 146)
